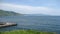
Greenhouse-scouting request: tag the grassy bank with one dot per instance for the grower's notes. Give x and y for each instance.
(26, 32)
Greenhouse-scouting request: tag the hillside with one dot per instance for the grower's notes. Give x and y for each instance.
(8, 13)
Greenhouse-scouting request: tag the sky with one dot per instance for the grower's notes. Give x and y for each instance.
(49, 7)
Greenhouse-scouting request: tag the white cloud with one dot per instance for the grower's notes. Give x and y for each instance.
(29, 9)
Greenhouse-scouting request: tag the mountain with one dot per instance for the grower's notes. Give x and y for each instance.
(36, 15)
(8, 13)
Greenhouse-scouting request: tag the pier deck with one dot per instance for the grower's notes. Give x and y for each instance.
(8, 24)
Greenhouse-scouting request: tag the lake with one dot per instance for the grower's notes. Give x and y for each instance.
(42, 23)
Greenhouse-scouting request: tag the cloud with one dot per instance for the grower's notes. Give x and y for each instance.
(29, 9)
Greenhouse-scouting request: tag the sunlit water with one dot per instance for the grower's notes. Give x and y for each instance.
(42, 23)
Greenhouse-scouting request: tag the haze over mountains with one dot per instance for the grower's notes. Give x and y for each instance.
(36, 15)
(12, 13)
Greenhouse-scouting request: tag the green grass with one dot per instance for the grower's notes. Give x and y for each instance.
(26, 32)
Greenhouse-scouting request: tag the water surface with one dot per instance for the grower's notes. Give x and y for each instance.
(42, 23)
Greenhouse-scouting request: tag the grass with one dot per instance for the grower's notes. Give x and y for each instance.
(26, 32)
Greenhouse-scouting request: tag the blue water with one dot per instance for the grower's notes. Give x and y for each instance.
(42, 23)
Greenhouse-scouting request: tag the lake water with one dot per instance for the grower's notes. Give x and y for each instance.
(42, 23)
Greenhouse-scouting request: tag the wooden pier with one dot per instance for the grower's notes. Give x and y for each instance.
(7, 24)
